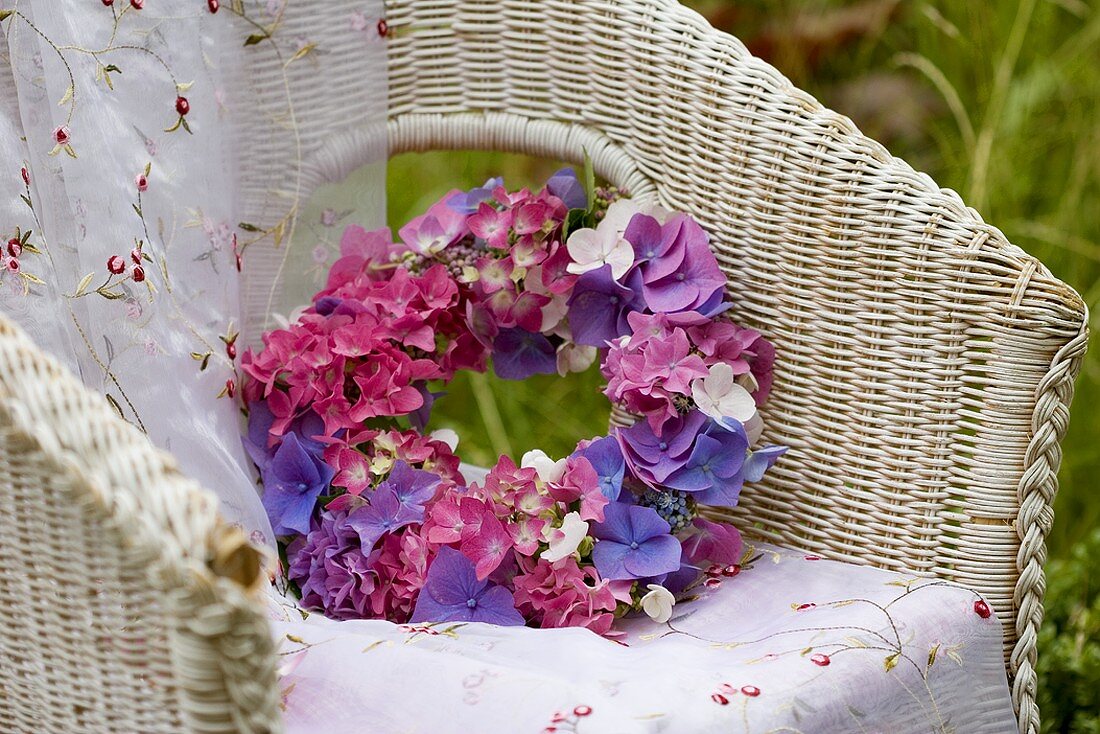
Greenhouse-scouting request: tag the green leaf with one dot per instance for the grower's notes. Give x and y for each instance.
(932, 654)
(891, 661)
(589, 182)
(248, 227)
(256, 38)
(5, 13)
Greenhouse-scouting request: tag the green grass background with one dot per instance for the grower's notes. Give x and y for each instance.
(997, 99)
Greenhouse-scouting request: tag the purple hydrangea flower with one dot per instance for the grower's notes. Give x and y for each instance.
(606, 457)
(467, 202)
(652, 458)
(331, 569)
(679, 271)
(414, 488)
(600, 304)
(292, 483)
(633, 543)
(452, 593)
(713, 470)
(760, 460)
(566, 186)
(384, 514)
(308, 427)
(518, 354)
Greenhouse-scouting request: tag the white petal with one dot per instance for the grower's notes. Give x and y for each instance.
(573, 530)
(586, 250)
(548, 469)
(658, 603)
(748, 381)
(754, 427)
(447, 436)
(620, 258)
(618, 217)
(575, 358)
(719, 379)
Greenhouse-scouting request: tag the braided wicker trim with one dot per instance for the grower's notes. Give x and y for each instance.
(1036, 495)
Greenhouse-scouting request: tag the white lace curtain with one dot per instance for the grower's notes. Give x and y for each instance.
(150, 154)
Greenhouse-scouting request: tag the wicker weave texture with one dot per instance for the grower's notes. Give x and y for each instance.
(126, 598)
(925, 364)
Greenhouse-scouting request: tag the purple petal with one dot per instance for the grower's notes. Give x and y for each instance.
(518, 354)
(760, 461)
(643, 232)
(608, 557)
(565, 185)
(646, 523)
(496, 605)
(659, 554)
(617, 524)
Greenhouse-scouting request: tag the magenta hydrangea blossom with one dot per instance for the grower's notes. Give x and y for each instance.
(634, 542)
(453, 593)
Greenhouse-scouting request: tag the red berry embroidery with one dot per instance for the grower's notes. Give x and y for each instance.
(805, 607)
(108, 3)
(383, 28)
(61, 135)
(15, 247)
(820, 659)
(230, 388)
(26, 175)
(213, 5)
(582, 711)
(719, 699)
(750, 691)
(813, 558)
(182, 106)
(231, 350)
(116, 264)
(712, 583)
(141, 182)
(135, 255)
(138, 274)
(731, 570)
(137, 4)
(982, 609)
(13, 265)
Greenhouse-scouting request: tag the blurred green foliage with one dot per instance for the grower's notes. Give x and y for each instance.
(1069, 643)
(999, 100)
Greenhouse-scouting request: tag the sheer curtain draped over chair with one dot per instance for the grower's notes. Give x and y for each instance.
(171, 139)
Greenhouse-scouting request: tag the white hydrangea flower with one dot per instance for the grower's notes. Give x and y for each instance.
(593, 248)
(548, 469)
(573, 531)
(720, 396)
(575, 358)
(658, 603)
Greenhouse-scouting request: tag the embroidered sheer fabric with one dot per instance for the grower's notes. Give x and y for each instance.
(157, 171)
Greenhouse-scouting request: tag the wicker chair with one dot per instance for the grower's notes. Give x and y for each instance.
(925, 371)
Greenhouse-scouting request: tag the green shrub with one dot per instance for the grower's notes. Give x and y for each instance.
(1069, 644)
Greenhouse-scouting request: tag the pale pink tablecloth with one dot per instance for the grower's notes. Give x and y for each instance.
(791, 644)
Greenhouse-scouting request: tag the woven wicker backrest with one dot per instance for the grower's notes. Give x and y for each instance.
(925, 364)
(125, 600)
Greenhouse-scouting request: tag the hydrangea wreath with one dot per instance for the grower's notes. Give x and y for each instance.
(373, 516)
